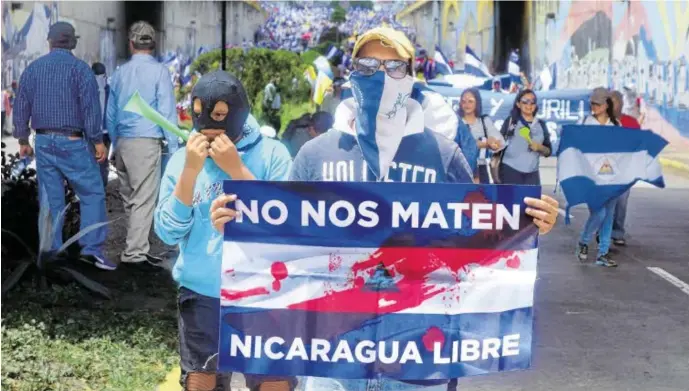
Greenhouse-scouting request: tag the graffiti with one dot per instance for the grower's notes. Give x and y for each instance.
(640, 44)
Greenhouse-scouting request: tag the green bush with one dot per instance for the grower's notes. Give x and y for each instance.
(256, 67)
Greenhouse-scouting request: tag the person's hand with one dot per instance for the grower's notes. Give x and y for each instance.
(224, 153)
(197, 152)
(101, 152)
(25, 151)
(493, 143)
(544, 212)
(536, 147)
(220, 213)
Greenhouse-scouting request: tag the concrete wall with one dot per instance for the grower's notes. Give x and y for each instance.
(454, 24)
(186, 25)
(603, 43)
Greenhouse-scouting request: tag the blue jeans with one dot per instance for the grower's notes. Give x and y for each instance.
(58, 159)
(600, 221)
(620, 216)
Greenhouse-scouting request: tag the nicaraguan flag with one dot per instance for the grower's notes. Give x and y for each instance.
(474, 66)
(598, 163)
(441, 64)
(427, 282)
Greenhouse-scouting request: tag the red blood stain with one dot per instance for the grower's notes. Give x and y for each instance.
(334, 262)
(433, 335)
(513, 261)
(229, 294)
(279, 272)
(413, 265)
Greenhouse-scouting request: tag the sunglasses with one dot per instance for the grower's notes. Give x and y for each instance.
(527, 102)
(466, 101)
(367, 66)
(595, 104)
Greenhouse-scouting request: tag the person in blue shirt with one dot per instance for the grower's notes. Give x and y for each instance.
(226, 145)
(59, 95)
(138, 143)
(380, 135)
(103, 93)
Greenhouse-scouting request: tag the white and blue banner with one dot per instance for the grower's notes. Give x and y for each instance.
(555, 108)
(598, 163)
(354, 280)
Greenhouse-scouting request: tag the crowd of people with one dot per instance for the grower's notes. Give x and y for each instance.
(70, 109)
(81, 129)
(297, 27)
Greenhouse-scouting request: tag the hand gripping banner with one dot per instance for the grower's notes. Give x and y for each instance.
(352, 280)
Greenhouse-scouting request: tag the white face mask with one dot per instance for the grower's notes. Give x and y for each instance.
(381, 116)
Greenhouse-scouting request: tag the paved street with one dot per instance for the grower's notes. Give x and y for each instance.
(611, 329)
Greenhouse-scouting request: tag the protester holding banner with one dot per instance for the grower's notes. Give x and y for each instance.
(228, 146)
(601, 220)
(528, 140)
(393, 145)
(482, 128)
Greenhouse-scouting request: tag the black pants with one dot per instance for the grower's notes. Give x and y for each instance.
(510, 176)
(483, 177)
(199, 332)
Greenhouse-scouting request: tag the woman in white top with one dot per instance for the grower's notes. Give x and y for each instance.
(602, 114)
(488, 138)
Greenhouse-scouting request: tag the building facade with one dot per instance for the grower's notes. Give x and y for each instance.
(453, 24)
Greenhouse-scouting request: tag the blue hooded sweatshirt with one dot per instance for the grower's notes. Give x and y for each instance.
(199, 263)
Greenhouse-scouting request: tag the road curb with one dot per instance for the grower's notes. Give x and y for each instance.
(676, 164)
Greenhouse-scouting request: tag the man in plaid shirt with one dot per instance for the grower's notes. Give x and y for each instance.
(58, 93)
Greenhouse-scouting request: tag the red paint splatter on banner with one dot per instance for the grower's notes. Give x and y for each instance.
(475, 197)
(513, 261)
(229, 294)
(411, 287)
(279, 272)
(433, 335)
(334, 262)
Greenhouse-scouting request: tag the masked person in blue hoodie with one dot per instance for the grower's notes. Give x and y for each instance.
(226, 145)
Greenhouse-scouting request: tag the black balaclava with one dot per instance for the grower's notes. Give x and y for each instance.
(220, 86)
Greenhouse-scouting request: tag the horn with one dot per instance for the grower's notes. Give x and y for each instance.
(138, 105)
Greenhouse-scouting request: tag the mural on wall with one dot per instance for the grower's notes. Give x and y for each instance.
(24, 33)
(644, 44)
(24, 38)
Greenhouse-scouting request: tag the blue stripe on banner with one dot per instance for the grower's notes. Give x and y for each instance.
(306, 343)
(610, 139)
(343, 214)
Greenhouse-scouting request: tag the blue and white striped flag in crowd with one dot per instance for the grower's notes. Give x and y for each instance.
(473, 64)
(598, 163)
(513, 67)
(442, 65)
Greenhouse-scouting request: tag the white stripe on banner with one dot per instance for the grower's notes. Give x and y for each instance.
(506, 284)
(619, 168)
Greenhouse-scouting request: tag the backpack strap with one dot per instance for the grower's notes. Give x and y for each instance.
(546, 136)
(483, 123)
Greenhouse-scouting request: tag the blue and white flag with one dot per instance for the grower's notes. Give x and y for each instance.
(441, 64)
(417, 282)
(598, 163)
(474, 66)
(513, 67)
